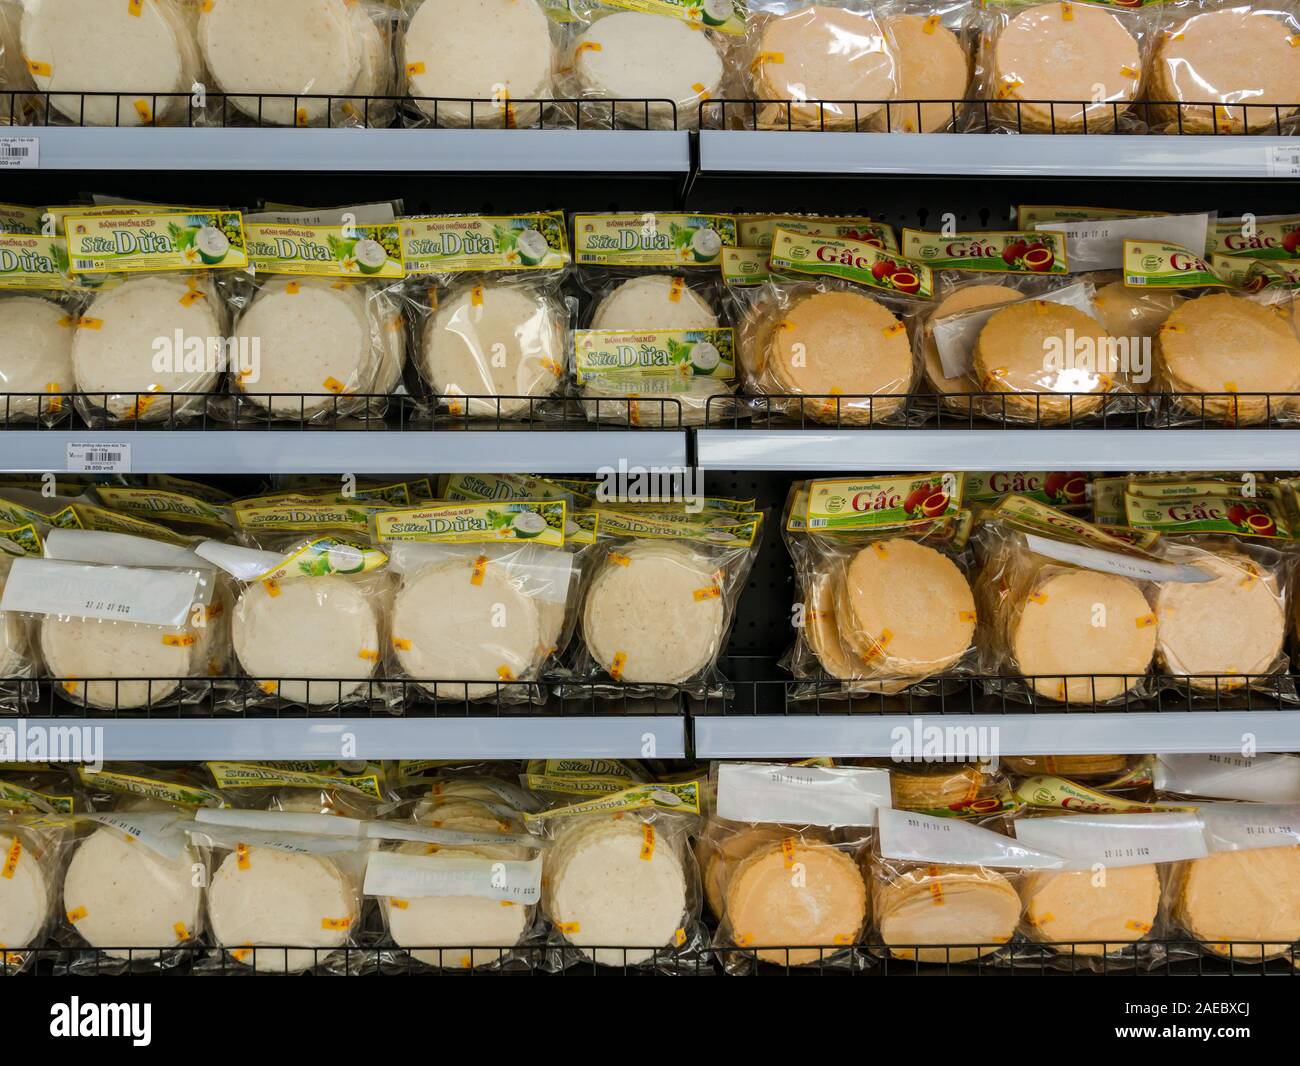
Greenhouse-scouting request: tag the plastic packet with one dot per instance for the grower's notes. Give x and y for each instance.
(660, 59)
(95, 64)
(17, 654)
(491, 321)
(14, 75)
(934, 44)
(311, 618)
(659, 597)
(1230, 776)
(1211, 55)
(655, 332)
(305, 62)
(33, 850)
(827, 66)
(133, 887)
(1058, 67)
(321, 337)
(153, 343)
(467, 63)
(834, 346)
(887, 601)
(771, 819)
(483, 598)
(620, 884)
(946, 789)
(186, 514)
(1110, 768)
(1220, 635)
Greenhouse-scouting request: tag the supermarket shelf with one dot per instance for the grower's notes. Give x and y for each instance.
(183, 740)
(361, 150)
(998, 449)
(981, 735)
(291, 451)
(1019, 155)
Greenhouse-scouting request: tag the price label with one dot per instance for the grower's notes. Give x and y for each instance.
(95, 458)
(20, 153)
(1283, 161)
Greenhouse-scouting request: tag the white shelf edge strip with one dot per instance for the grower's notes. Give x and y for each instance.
(329, 452)
(167, 740)
(1083, 733)
(992, 155)
(1011, 449)
(426, 150)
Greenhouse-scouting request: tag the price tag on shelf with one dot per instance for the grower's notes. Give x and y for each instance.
(1283, 161)
(95, 458)
(20, 153)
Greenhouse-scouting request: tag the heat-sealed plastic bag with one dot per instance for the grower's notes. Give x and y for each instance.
(14, 75)
(153, 342)
(783, 864)
(492, 323)
(311, 618)
(1058, 67)
(33, 849)
(620, 885)
(820, 66)
(659, 597)
(934, 44)
(95, 64)
(1210, 55)
(18, 658)
(305, 62)
(322, 335)
(1231, 776)
(887, 600)
(482, 65)
(133, 889)
(662, 59)
(483, 599)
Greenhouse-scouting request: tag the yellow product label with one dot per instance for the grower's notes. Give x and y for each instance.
(18, 540)
(1011, 252)
(126, 243)
(33, 262)
(1160, 265)
(486, 487)
(722, 16)
(853, 504)
(18, 218)
(239, 775)
(326, 557)
(1206, 513)
(666, 240)
(363, 253)
(170, 792)
(850, 260)
(681, 796)
(161, 506)
(758, 231)
(743, 267)
(307, 517)
(103, 520)
(686, 353)
(1275, 237)
(451, 244)
(1028, 216)
(735, 531)
(1034, 517)
(540, 522)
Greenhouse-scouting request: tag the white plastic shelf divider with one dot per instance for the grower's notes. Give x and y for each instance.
(979, 735)
(167, 740)
(1023, 155)
(332, 150)
(256, 451)
(993, 449)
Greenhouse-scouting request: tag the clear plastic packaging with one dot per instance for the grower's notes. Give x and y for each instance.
(306, 62)
(33, 849)
(14, 75)
(1064, 67)
(490, 319)
(819, 66)
(99, 64)
(1210, 55)
(933, 43)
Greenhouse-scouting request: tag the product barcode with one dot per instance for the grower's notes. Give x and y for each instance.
(104, 457)
(1135, 281)
(15, 151)
(83, 264)
(818, 523)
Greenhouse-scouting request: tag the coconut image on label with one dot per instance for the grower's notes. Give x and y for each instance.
(370, 256)
(528, 525)
(532, 247)
(705, 357)
(706, 245)
(212, 245)
(716, 12)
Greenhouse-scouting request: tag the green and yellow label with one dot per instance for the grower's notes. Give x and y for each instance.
(36, 263)
(159, 506)
(129, 243)
(540, 522)
(1007, 252)
(709, 353)
(849, 504)
(241, 775)
(1208, 514)
(359, 252)
(482, 243)
(1270, 238)
(758, 231)
(1159, 265)
(1030, 215)
(744, 266)
(668, 240)
(855, 261)
(724, 16)
(150, 787)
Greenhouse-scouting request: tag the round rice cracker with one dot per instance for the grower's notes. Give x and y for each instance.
(820, 53)
(450, 60)
(35, 357)
(945, 905)
(1071, 908)
(134, 665)
(1220, 343)
(635, 56)
(767, 909)
(307, 628)
(1133, 313)
(445, 629)
(1248, 895)
(113, 352)
(654, 613)
(88, 46)
(315, 342)
(127, 899)
(905, 609)
(375, 77)
(604, 891)
(654, 302)
(932, 65)
(1216, 58)
(1012, 358)
(446, 926)
(967, 298)
(1232, 625)
(24, 895)
(303, 48)
(1061, 53)
(836, 342)
(263, 896)
(494, 340)
(1057, 634)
